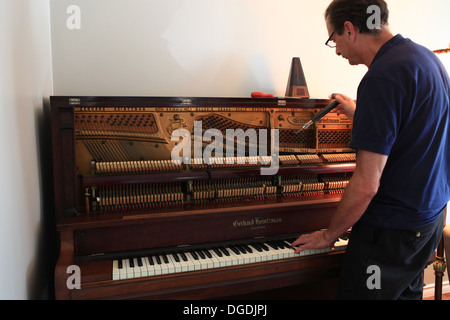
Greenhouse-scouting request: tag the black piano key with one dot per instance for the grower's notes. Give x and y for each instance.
(288, 244)
(194, 255)
(201, 254)
(272, 245)
(150, 259)
(131, 262)
(208, 254)
(281, 244)
(139, 261)
(158, 260)
(249, 250)
(234, 249)
(165, 258)
(183, 256)
(176, 257)
(241, 249)
(119, 264)
(218, 252)
(225, 251)
(257, 246)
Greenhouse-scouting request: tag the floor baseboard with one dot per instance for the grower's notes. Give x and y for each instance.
(428, 290)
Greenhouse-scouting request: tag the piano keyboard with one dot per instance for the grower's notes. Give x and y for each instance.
(201, 259)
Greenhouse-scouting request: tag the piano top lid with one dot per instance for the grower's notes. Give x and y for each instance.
(187, 101)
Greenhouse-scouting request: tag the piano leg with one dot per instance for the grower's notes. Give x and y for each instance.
(65, 259)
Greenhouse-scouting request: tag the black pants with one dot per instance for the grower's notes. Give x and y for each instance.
(387, 264)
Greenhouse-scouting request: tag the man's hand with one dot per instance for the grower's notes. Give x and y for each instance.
(315, 240)
(346, 106)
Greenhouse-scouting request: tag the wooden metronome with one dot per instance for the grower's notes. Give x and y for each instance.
(296, 86)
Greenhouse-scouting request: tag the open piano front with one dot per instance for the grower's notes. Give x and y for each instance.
(167, 198)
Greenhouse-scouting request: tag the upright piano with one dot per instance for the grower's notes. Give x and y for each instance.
(193, 197)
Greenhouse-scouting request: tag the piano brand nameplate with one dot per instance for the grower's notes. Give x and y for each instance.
(256, 223)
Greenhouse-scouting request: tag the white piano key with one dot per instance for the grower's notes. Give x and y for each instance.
(287, 252)
(184, 264)
(253, 256)
(305, 253)
(205, 263)
(272, 254)
(215, 259)
(176, 267)
(194, 262)
(150, 267)
(156, 266)
(116, 271)
(219, 261)
(169, 264)
(129, 271)
(259, 255)
(250, 256)
(340, 245)
(237, 255)
(144, 271)
(291, 250)
(165, 268)
(177, 264)
(244, 256)
(226, 258)
(187, 264)
(123, 270)
(136, 268)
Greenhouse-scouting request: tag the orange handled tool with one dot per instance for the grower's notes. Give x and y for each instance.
(261, 95)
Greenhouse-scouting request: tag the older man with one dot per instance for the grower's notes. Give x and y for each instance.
(400, 187)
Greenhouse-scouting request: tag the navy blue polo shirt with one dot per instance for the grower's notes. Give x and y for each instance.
(403, 112)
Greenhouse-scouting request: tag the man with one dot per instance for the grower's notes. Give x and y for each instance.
(400, 187)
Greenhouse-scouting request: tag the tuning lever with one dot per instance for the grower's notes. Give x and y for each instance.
(319, 115)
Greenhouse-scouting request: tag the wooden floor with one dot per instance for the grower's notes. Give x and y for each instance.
(444, 297)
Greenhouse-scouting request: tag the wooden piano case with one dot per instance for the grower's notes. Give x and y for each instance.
(118, 194)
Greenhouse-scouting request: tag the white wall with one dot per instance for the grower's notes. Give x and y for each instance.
(214, 48)
(25, 80)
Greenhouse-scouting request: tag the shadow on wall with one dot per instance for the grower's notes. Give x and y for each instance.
(40, 274)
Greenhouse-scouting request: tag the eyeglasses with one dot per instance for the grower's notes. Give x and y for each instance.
(331, 42)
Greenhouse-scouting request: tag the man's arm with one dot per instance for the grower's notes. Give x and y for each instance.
(359, 192)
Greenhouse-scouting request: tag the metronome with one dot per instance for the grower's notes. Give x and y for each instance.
(296, 86)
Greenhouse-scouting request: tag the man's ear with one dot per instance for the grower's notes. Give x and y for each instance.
(350, 30)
